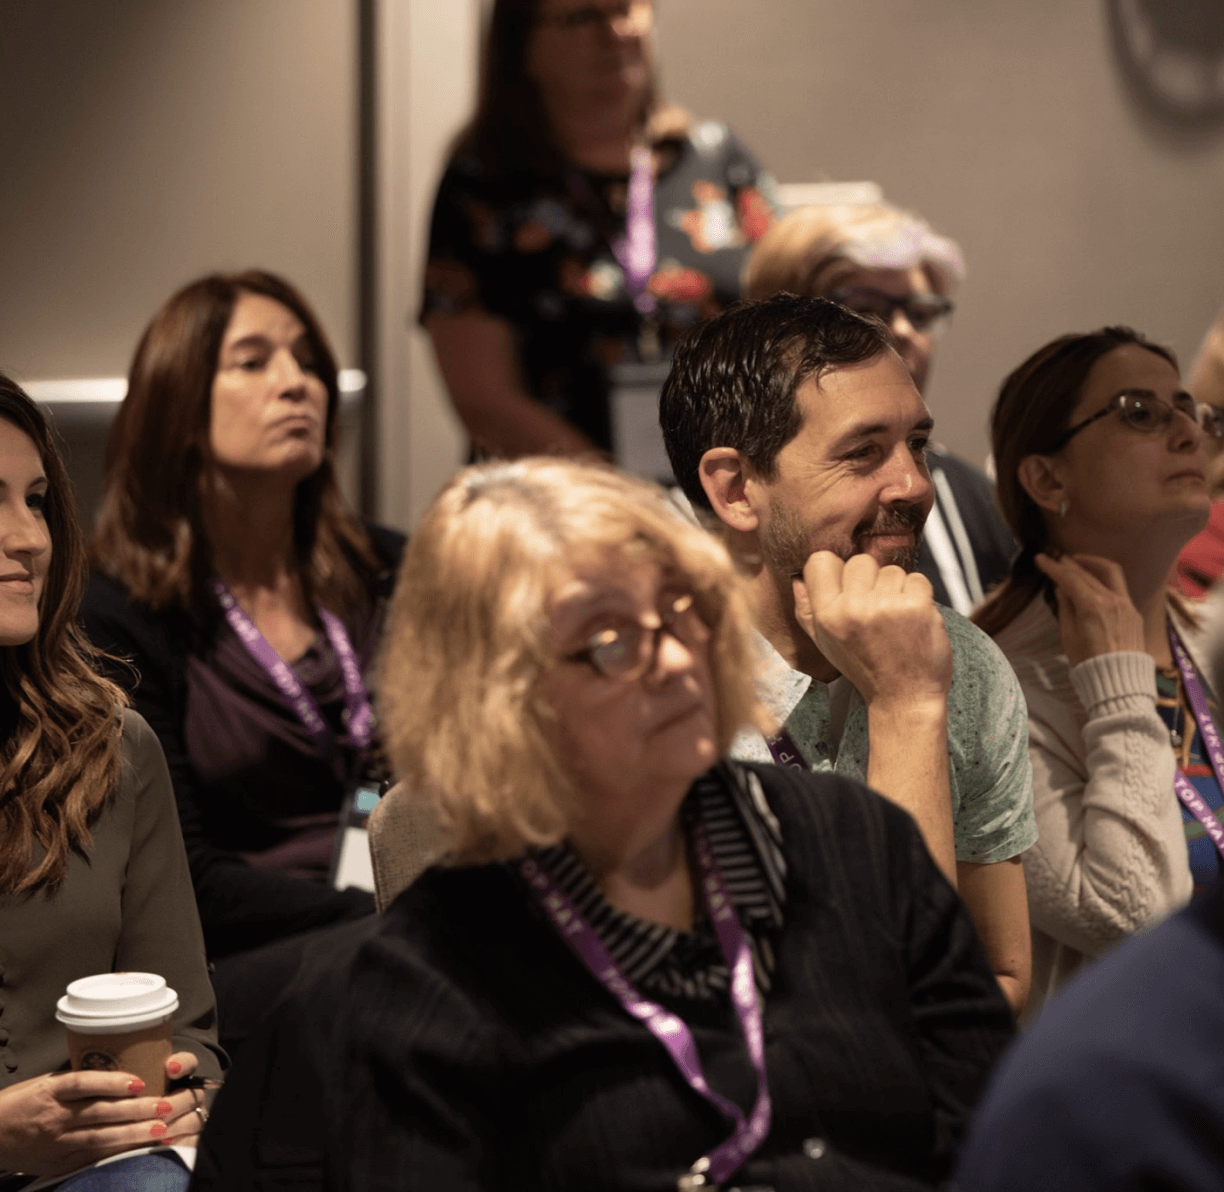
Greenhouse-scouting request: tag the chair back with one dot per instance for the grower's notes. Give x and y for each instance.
(405, 839)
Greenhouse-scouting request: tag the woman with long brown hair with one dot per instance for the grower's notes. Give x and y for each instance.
(579, 228)
(1101, 474)
(228, 570)
(92, 872)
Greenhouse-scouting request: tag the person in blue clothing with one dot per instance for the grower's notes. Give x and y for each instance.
(1119, 1087)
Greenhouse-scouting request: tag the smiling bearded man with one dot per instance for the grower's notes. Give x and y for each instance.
(786, 544)
(795, 424)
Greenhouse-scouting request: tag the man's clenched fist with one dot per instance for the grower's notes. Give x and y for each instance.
(878, 626)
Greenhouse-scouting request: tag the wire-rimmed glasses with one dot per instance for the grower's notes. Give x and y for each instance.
(629, 650)
(1142, 410)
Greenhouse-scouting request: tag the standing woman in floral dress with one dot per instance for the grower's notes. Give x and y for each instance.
(579, 227)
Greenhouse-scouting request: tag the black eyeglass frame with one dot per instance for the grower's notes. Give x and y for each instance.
(1208, 418)
(924, 311)
(646, 660)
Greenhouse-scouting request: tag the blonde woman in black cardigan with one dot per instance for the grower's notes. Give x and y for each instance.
(567, 662)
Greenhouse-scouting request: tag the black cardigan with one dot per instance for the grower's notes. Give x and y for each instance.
(241, 906)
(455, 1042)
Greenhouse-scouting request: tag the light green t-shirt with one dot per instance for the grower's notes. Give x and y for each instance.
(990, 777)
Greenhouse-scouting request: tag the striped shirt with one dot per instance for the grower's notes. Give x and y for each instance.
(747, 846)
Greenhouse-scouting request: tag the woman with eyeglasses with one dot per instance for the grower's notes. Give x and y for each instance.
(642, 966)
(579, 229)
(1101, 476)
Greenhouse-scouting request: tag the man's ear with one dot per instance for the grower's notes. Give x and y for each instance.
(727, 478)
(1041, 476)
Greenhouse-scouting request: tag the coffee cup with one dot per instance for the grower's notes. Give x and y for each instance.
(120, 1022)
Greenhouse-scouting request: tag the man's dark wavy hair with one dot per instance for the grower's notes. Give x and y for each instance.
(733, 379)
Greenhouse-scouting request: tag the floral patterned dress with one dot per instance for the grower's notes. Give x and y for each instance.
(537, 252)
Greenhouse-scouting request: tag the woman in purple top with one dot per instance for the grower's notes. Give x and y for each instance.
(248, 598)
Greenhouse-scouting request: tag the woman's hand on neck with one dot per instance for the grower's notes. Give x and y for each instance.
(1146, 561)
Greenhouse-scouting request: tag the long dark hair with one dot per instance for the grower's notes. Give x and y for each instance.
(61, 721)
(1031, 415)
(509, 131)
(150, 531)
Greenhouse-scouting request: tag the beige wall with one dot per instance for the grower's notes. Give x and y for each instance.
(148, 141)
(1006, 124)
(427, 79)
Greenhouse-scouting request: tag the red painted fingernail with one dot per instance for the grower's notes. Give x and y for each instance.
(136, 1086)
(174, 1067)
(163, 1109)
(157, 1129)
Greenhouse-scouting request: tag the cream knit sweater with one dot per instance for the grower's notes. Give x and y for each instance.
(1110, 857)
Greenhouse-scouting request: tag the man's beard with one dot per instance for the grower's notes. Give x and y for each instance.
(787, 544)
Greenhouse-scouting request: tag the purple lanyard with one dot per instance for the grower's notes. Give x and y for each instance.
(360, 715)
(668, 1028)
(1197, 697)
(636, 250)
(785, 751)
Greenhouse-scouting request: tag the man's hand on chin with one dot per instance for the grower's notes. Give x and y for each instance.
(878, 626)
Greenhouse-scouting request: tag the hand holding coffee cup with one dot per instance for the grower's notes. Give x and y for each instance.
(120, 1022)
(66, 1120)
(62, 1121)
(123, 1022)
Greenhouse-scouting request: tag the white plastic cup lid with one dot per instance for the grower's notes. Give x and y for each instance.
(112, 1003)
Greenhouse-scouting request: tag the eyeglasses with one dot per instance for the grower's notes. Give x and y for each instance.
(631, 650)
(1142, 410)
(924, 311)
(632, 19)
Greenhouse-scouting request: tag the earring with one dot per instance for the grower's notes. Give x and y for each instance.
(1062, 509)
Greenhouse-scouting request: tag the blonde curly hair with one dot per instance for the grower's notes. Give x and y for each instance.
(464, 719)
